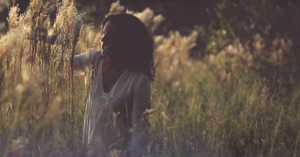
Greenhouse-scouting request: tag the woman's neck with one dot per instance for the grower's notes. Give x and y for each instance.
(108, 64)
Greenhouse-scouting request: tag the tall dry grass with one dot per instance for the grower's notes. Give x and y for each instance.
(212, 107)
(37, 87)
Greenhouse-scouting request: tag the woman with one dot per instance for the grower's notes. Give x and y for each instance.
(120, 87)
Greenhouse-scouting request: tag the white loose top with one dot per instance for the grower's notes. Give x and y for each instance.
(132, 89)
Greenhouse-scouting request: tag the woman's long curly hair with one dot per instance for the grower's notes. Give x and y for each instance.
(135, 48)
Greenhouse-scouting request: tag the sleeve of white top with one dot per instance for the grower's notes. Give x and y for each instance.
(83, 61)
(140, 122)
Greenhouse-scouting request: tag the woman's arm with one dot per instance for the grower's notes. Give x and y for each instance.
(83, 61)
(140, 122)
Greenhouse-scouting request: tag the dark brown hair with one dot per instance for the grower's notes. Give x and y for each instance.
(135, 48)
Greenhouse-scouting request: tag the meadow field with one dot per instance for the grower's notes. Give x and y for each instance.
(219, 105)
